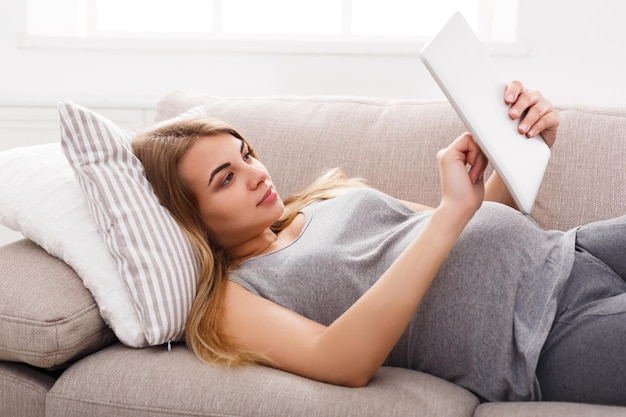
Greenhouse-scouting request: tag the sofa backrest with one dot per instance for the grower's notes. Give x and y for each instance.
(392, 144)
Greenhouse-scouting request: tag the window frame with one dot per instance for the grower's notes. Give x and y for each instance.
(217, 41)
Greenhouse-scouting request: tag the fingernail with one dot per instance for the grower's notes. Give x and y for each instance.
(514, 112)
(510, 98)
(531, 133)
(523, 128)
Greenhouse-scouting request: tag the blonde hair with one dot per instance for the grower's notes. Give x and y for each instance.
(160, 150)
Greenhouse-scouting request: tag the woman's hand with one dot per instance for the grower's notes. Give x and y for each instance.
(536, 114)
(462, 188)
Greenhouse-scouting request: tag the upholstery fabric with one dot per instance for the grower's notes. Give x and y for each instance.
(152, 253)
(47, 316)
(522, 409)
(176, 383)
(392, 144)
(22, 391)
(585, 180)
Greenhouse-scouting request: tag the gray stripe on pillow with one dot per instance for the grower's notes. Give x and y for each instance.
(150, 250)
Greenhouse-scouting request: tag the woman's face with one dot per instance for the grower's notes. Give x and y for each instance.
(236, 197)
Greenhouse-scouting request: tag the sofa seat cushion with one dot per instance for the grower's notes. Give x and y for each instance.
(47, 316)
(521, 409)
(124, 382)
(23, 390)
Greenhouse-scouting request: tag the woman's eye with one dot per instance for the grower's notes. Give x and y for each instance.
(247, 156)
(227, 179)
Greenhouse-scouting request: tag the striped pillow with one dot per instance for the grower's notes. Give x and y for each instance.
(149, 249)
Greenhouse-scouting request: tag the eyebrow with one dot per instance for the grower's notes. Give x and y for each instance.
(224, 166)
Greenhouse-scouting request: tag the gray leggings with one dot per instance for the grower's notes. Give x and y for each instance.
(584, 357)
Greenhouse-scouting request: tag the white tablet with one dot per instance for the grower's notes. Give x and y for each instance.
(458, 61)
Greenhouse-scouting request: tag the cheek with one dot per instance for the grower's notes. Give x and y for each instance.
(206, 206)
(221, 213)
(213, 215)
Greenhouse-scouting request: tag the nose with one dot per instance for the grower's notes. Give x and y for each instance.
(257, 175)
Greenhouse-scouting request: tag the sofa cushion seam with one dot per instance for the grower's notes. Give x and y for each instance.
(135, 407)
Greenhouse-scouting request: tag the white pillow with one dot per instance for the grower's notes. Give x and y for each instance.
(151, 252)
(42, 200)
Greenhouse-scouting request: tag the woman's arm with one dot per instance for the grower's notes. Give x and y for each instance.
(353, 347)
(536, 116)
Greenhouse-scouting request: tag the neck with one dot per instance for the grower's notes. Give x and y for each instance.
(258, 245)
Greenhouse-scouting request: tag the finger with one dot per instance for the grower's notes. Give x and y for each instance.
(456, 152)
(477, 166)
(548, 122)
(476, 173)
(524, 102)
(463, 143)
(476, 159)
(538, 118)
(512, 91)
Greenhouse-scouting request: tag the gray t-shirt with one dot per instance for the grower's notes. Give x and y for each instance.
(484, 319)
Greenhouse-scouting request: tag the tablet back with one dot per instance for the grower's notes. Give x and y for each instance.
(459, 63)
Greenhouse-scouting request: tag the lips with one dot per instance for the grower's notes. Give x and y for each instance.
(269, 197)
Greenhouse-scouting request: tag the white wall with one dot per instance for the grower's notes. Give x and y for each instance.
(575, 54)
(573, 50)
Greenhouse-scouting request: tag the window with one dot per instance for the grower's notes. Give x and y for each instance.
(325, 20)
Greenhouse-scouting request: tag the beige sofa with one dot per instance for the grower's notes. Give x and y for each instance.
(60, 359)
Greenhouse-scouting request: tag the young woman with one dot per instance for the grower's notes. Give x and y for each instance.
(341, 278)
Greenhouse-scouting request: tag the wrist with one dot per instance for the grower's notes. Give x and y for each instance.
(453, 217)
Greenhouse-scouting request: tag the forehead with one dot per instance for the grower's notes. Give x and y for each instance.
(214, 147)
(208, 151)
